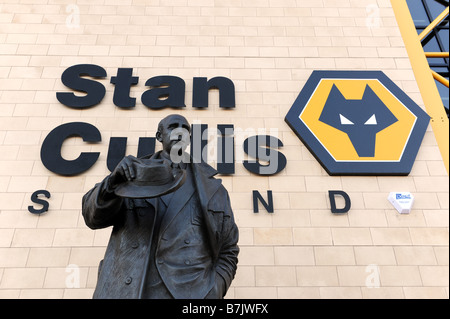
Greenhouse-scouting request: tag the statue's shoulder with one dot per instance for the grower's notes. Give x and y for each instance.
(149, 156)
(206, 170)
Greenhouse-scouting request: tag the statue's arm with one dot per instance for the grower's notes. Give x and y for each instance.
(100, 206)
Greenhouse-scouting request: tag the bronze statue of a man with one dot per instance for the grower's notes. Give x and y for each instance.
(174, 234)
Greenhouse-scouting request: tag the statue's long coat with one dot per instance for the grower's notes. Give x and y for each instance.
(197, 250)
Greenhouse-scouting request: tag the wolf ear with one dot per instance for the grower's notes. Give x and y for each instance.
(369, 94)
(336, 95)
(384, 116)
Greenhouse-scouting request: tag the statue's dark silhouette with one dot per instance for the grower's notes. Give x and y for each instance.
(174, 234)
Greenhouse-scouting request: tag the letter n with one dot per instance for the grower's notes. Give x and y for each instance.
(227, 98)
(258, 197)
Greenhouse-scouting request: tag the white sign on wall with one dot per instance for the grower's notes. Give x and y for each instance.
(402, 201)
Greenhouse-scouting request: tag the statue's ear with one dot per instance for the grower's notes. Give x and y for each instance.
(159, 136)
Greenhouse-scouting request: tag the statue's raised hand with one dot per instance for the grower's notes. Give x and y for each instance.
(123, 172)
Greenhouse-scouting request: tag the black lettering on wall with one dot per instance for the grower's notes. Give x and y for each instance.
(262, 147)
(199, 143)
(146, 146)
(202, 86)
(258, 197)
(123, 82)
(51, 149)
(116, 151)
(348, 204)
(166, 91)
(35, 199)
(225, 150)
(73, 78)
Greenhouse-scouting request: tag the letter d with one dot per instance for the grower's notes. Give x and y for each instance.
(348, 203)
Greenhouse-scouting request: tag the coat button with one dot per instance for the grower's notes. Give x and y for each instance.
(128, 280)
(187, 262)
(187, 241)
(135, 245)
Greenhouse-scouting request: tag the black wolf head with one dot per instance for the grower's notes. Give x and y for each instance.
(360, 119)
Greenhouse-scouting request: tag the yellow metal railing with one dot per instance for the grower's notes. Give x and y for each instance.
(433, 24)
(439, 78)
(426, 77)
(422, 36)
(436, 54)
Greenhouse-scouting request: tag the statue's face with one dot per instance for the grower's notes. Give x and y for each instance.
(174, 134)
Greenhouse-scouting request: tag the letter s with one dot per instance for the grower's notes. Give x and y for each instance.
(72, 78)
(262, 147)
(44, 203)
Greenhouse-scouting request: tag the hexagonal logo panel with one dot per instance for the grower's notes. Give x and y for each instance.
(358, 123)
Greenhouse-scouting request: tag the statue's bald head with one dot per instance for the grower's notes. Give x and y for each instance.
(174, 132)
(172, 120)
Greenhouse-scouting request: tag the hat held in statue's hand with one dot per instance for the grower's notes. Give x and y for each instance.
(154, 178)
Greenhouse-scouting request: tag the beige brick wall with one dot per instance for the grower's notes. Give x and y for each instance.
(268, 48)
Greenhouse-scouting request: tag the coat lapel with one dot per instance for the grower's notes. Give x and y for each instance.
(200, 179)
(179, 200)
(206, 185)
